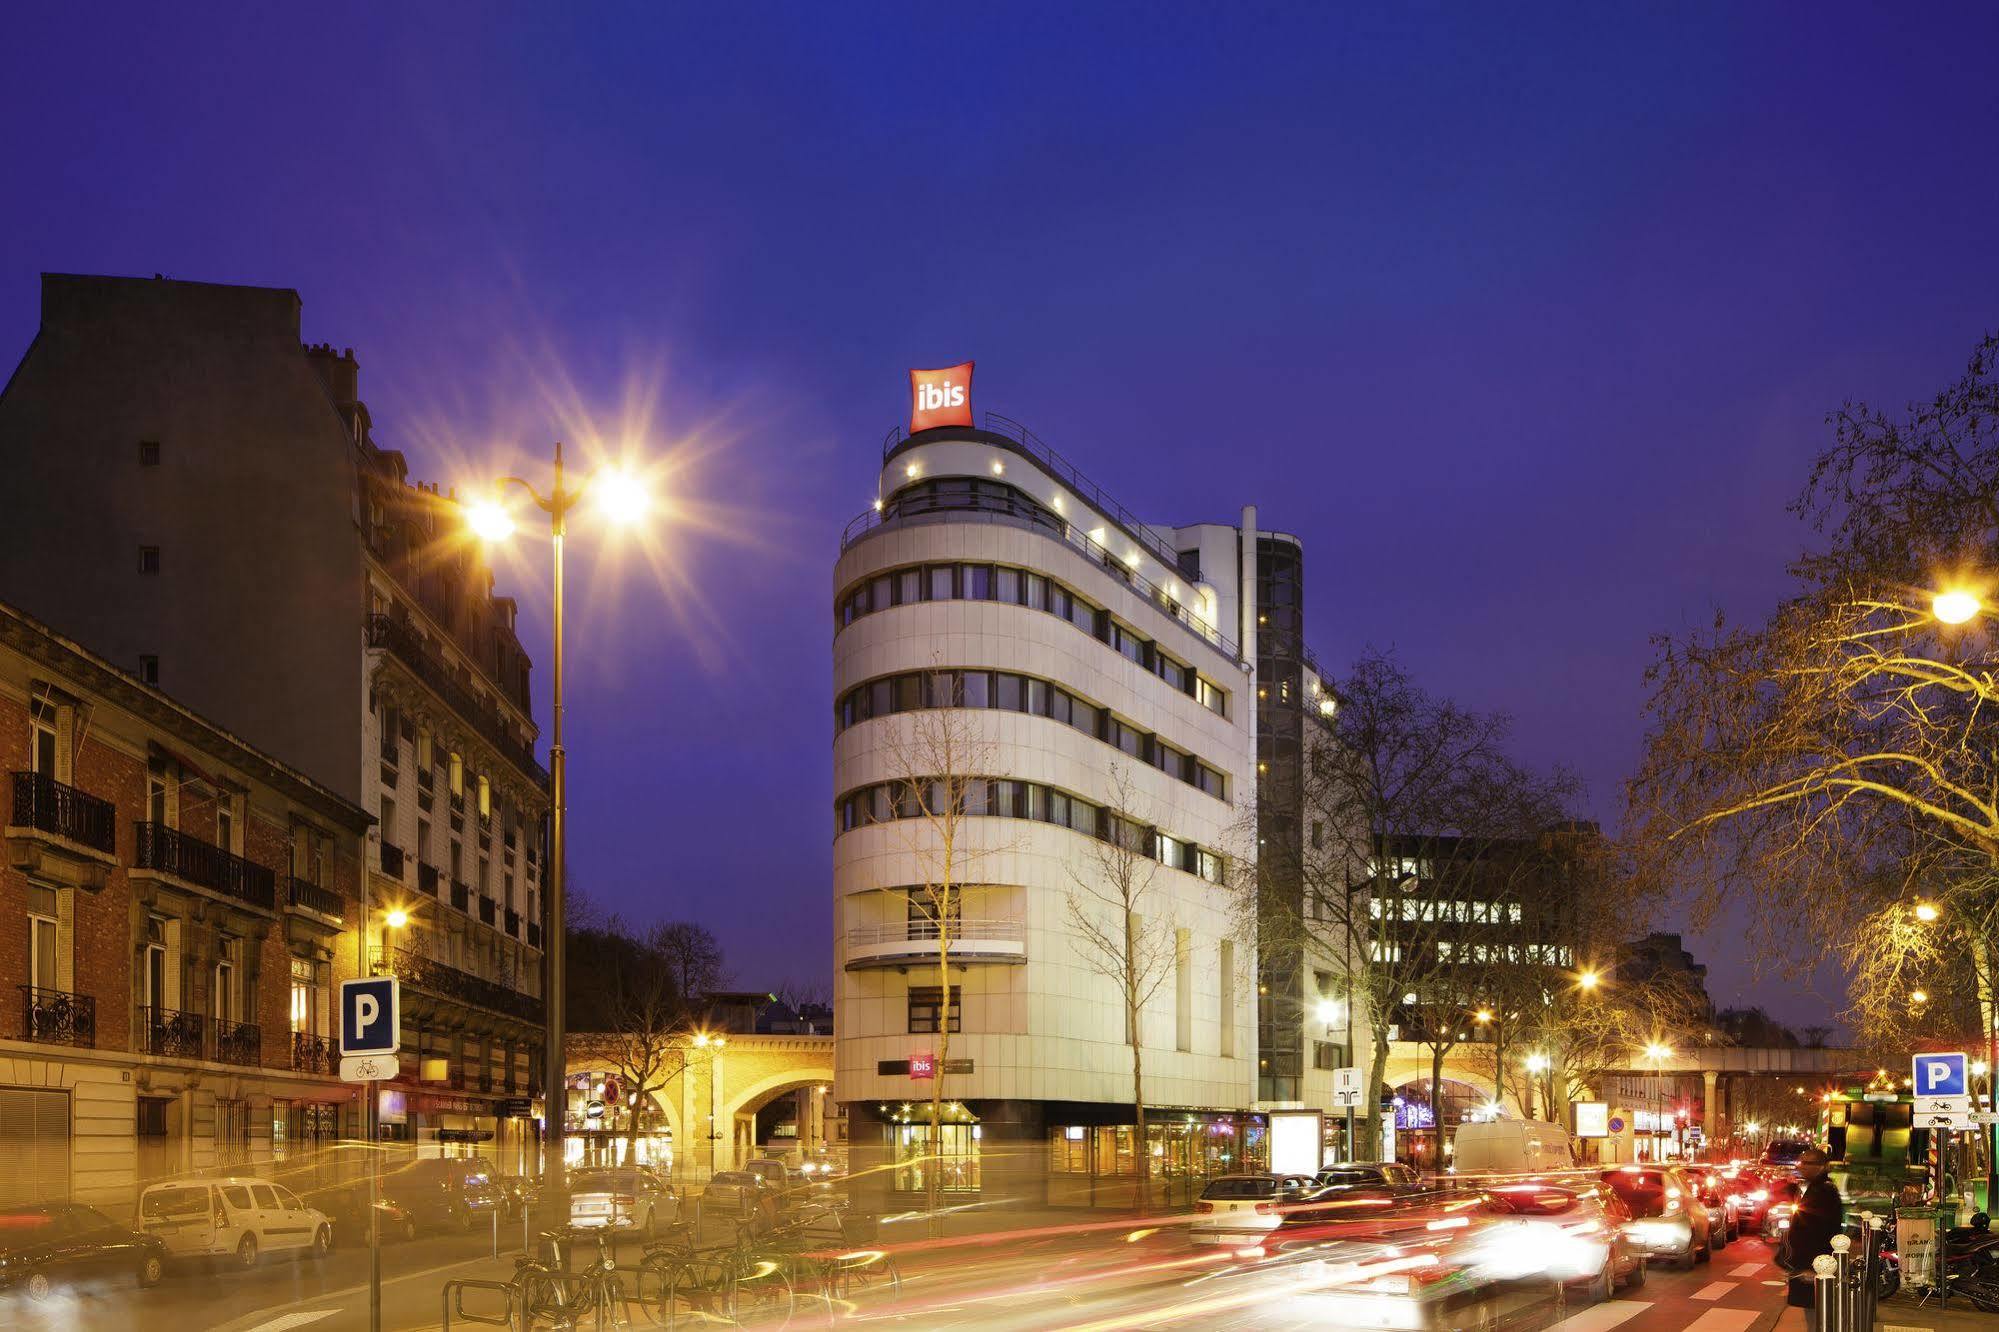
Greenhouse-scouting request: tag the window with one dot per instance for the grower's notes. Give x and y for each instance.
(1318, 834)
(266, 1197)
(1323, 981)
(44, 971)
(457, 775)
(222, 992)
(1227, 1013)
(1325, 1054)
(423, 754)
(149, 559)
(156, 794)
(43, 751)
(159, 990)
(925, 1003)
(149, 453)
(485, 797)
(1210, 697)
(149, 669)
(304, 1010)
(225, 822)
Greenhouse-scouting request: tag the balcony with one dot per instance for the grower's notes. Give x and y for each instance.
(57, 1017)
(314, 1054)
(900, 943)
(448, 982)
(59, 833)
(461, 895)
(238, 1042)
(392, 861)
(426, 878)
(486, 909)
(403, 642)
(312, 897)
(201, 865)
(170, 1032)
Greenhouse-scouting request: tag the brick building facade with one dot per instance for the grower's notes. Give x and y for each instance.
(180, 907)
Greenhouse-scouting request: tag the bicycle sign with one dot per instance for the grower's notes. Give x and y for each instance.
(368, 1068)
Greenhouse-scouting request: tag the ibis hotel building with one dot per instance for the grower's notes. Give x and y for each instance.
(1090, 679)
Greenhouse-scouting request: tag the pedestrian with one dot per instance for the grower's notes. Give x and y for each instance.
(1819, 1217)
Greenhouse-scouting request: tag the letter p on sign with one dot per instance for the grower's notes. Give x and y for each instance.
(1941, 1075)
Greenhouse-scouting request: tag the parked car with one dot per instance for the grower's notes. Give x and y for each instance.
(242, 1218)
(1245, 1209)
(515, 1191)
(1511, 1147)
(737, 1193)
(622, 1198)
(350, 1218)
(1667, 1218)
(1572, 1233)
(62, 1244)
(1390, 1175)
(444, 1193)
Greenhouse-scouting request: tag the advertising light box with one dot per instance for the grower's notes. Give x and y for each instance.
(1297, 1141)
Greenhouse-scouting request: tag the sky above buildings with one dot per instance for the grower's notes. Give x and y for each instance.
(1526, 322)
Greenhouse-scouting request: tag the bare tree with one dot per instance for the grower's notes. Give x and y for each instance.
(630, 1012)
(939, 761)
(1409, 816)
(693, 954)
(1121, 933)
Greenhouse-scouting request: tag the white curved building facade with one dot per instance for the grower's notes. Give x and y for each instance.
(1081, 654)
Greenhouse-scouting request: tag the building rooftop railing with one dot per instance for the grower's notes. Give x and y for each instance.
(1031, 445)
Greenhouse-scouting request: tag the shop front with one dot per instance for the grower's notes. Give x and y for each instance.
(599, 1124)
(1096, 1164)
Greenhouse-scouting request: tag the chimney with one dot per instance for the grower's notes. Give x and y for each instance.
(340, 372)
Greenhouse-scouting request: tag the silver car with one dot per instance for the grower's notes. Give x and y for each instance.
(1243, 1209)
(633, 1198)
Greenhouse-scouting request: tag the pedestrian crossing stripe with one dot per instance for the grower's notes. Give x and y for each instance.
(1747, 1269)
(1602, 1317)
(1714, 1291)
(1725, 1320)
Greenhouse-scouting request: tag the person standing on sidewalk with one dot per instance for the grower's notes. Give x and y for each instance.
(1819, 1217)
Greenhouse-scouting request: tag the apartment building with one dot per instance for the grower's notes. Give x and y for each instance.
(203, 502)
(179, 908)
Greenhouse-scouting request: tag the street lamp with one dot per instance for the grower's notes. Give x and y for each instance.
(1955, 605)
(1589, 980)
(620, 498)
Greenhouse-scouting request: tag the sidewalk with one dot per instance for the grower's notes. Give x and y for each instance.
(1902, 1314)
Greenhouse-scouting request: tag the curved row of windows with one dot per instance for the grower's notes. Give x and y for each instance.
(1023, 587)
(1011, 692)
(910, 798)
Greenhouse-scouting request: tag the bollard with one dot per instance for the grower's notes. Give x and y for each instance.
(1842, 1304)
(1825, 1292)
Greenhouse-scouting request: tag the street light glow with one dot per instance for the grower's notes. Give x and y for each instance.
(1589, 980)
(1926, 912)
(1657, 1051)
(397, 918)
(489, 521)
(620, 496)
(1955, 606)
(1537, 1063)
(1919, 996)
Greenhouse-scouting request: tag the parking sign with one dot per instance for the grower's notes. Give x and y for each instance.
(1940, 1075)
(371, 1016)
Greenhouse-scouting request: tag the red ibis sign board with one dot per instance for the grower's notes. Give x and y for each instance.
(940, 397)
(923, 1064)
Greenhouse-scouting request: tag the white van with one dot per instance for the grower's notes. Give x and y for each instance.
(242, 1218)
(1511, 1147)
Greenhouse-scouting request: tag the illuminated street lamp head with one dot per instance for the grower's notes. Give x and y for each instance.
(1657, 1051)
(397, 918)
(1926, 912)
(1919, 996)
(1329, 1010)
(489, 520)
(1537, 1063)
(1483, 1015)
(1589, 980)
(1955, 606)
(620, 496)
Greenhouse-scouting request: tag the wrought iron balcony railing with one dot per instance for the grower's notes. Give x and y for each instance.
(313, 1054)
(50, 806)
(438, 978)
(315, 898)
(205, 865)
(57, 1017)
(409, 648)
(238, 1042)
(169, 1031)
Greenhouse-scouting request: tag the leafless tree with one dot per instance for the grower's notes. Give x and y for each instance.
(1407, 815)
(630, 1013)
(1123, 933)
(1838, 764)
(939, 763)
(694, 955)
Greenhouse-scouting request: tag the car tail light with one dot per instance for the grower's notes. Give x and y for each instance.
(1204, 1207)
(1265, 1209)
(1761, 1195)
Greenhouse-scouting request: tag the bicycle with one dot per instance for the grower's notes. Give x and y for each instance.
(541, 1296)
(747, 1281)
(831, 1250)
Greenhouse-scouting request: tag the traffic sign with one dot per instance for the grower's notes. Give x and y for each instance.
(1984, 1117)
(1942, 1105)
(1348, 1088)
(1941, 1075)
(368, 1068)
(371, 1016)
(1960, 1123)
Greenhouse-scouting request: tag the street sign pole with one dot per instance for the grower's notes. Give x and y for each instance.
(371, 1021)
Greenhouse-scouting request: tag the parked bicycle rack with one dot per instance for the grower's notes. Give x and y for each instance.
(454, 1304)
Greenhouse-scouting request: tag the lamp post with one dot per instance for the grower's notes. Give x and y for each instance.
(621, 499)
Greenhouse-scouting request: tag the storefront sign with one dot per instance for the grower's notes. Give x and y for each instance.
(464, 1135)
(1592, 1119)
(516, 1107)
(940, 397)
(923, 1065)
